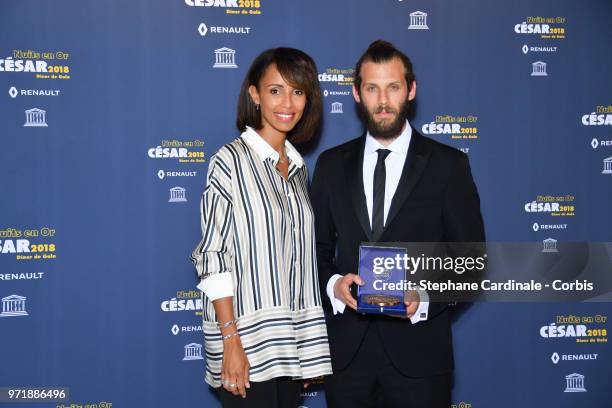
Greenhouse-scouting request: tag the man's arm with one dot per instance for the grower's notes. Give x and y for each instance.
(462, 220)
(461, 210)
(331, 282)
(325, 229)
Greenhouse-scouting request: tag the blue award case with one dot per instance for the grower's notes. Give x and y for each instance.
(371, 271)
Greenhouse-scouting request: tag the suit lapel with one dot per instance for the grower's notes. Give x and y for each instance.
(353, 165)
(416, 161)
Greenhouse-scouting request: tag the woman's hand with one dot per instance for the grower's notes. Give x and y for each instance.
(235, 367)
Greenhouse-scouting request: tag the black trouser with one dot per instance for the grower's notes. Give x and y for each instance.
(275, 393)
(371, 381)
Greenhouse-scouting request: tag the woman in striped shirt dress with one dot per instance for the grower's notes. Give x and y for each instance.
(263, 321)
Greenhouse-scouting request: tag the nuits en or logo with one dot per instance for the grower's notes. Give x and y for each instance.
(574, 383)
(336, 107)
(35, 118)
(563, 330)
(187, 301)
(524, 28)
(45, 65)
(549, 245)
(185, 151)
(554, 205)
(212, 3)
(177, 195)
(22, 65)
(233, 7)
(8, 246)
(166, 152)
(548, 28)
(193, 351)
(538, 68)
(225, 58)
(434, 128)
(13, 306)
(418, 21)
(341, 77)
(463, 127)
(535, 206)
(601, 116)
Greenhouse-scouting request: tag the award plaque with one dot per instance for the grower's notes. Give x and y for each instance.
(382, 291)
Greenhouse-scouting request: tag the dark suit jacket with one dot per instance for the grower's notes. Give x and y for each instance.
(436, 201)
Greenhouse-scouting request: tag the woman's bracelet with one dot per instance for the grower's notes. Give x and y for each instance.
(229, 336)
(226, 324)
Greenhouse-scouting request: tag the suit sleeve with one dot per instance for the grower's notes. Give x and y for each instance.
(463, 225)
(325, 229)
(461, 212)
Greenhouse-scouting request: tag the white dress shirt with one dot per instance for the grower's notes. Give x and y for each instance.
(394, 165)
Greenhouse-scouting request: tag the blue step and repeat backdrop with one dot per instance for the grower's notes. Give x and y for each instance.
(109, 111)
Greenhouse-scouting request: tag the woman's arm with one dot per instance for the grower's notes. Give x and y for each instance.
(235, 366)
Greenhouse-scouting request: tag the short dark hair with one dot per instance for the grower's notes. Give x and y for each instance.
(297, 69)
(382, 51)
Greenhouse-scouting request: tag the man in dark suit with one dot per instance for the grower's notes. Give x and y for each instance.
(389, 185)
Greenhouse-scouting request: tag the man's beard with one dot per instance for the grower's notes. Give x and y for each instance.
(384, 130)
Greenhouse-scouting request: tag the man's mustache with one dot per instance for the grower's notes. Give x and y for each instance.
(384, 108)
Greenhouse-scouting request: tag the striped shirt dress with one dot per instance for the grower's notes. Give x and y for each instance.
(258, 245)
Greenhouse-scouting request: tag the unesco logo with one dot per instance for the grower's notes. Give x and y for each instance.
(14, 306)
(193, 351)
(225, 58)
(336, 107)
(418, 21)
(574, 383)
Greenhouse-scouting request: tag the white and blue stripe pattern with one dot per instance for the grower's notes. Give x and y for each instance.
(258, 229)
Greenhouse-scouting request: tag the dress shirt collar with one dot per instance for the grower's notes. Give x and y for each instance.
(399, 145)
(264, 150)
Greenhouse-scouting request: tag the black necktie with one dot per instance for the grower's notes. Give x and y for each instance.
(378, 208)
